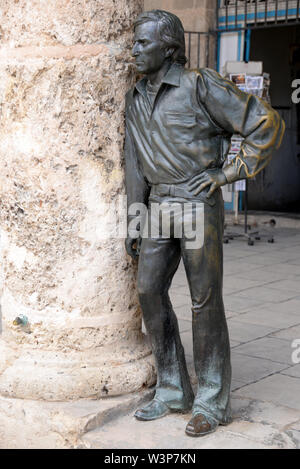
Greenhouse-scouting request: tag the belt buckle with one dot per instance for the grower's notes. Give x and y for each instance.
(172, 191)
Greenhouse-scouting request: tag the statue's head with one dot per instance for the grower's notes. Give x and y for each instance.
(158, 37)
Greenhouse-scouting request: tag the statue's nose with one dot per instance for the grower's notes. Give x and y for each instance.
(135, 50)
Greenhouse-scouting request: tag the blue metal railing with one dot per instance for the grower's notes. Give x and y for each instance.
(250, 14)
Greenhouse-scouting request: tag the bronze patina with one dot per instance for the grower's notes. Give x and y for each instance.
(179, 124)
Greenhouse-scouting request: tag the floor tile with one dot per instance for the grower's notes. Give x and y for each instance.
(291, 333)
(265, 293)
(240, 305)
(261, 275)
(290, 284)
(184, 312)
(178, 300)
(187, 342)
(277, 350)
(264, 412)
(184, 326)
(234, 283)
(268, 315)
(248, 369)
(293, 371)
(289, 270)
(244, 332)
(278, 388)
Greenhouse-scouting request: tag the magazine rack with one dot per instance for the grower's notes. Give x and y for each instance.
(247, 234)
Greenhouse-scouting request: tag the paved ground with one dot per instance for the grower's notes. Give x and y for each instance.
(262, 301)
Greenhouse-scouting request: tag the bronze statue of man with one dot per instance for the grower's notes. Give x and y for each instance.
(179, 124)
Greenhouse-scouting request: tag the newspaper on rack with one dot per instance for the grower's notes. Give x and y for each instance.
(236, 142)
(257, 85)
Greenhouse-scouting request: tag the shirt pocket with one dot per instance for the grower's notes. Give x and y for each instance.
(181, 126)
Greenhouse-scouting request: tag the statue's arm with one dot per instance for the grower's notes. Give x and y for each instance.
(247, 115)
(137, 189)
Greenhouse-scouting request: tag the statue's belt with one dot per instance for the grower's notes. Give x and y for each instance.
(173, 190)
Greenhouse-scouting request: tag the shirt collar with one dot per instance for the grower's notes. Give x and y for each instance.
(172, 77)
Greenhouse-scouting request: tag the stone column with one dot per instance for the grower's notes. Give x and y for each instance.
(64, 71)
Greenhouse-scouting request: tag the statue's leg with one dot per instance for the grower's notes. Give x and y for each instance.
(204, 268)
(158, 262)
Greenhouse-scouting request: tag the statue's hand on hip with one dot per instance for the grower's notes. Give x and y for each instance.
(132, 246)
(212, 178)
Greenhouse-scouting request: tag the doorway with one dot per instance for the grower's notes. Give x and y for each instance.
(277, 187)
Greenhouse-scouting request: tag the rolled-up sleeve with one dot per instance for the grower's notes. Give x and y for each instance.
(241, 113)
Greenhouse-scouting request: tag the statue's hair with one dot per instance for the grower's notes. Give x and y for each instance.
(170, 30)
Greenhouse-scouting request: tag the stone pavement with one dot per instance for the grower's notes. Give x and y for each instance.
(262, 302)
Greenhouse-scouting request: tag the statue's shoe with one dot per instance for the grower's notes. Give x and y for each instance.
(157, 409)
(201, 424)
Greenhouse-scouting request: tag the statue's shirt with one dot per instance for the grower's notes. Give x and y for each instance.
(188, 127)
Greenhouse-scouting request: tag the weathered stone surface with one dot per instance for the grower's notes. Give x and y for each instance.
(63, 265)
(26, 424)
(66, 22)
(61, 139)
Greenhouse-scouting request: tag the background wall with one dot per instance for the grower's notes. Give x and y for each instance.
(196, 15)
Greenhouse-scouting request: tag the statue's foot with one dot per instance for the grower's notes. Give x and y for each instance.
(201, 425)
(157, 409)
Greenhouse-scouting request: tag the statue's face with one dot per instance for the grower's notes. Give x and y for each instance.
(148, 50)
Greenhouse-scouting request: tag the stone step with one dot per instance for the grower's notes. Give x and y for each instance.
(252, 428)
(26, 424)
(169, 433)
